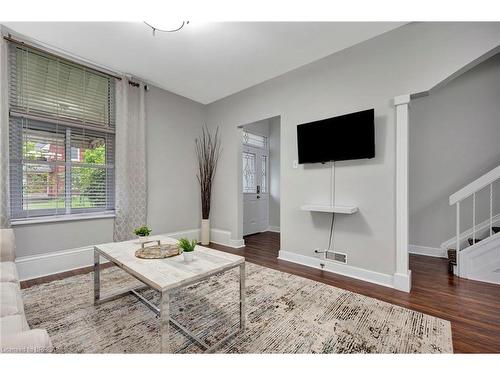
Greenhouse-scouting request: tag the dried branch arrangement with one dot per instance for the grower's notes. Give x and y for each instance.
(208, 150)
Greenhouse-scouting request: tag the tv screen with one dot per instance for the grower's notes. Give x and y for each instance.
(346, 137)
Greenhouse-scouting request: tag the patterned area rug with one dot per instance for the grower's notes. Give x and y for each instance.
(285, 314)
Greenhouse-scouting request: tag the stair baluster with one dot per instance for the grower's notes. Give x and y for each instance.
(455, 199)
(474, 218)
(491, 209)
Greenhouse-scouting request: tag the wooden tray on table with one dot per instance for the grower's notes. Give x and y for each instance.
(158, 251)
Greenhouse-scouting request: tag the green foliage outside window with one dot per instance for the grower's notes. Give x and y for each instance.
(90, 180)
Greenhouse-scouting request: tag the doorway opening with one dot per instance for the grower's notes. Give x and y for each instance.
(260, 176)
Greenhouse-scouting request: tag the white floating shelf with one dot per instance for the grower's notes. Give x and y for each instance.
(327, 208)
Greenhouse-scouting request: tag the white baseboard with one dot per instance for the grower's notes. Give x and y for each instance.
(402, 281)
(218, 236)
(33, 266)
(273, 229)
(223, 237)
(341, 269)
(189, 233)
(427, 251)
(236, 243)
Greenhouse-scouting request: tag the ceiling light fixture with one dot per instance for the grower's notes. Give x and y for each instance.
(166, 27)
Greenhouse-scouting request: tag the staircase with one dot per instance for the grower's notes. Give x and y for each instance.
(478, 255)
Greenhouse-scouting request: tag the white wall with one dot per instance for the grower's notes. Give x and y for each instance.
(274, 173)
(258, 127)
(454, 139)
(410, 59)
(173, 123)
(44, 238)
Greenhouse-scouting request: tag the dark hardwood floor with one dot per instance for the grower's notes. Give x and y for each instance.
(472, 307)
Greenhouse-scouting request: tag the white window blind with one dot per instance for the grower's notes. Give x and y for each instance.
(61, 136)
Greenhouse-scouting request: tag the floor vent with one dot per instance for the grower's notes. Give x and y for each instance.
(338, 257)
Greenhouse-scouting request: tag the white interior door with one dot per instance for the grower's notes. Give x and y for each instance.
(255, 167)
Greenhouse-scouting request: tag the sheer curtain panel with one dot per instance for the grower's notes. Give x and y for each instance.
(4, 138)
(130, 168)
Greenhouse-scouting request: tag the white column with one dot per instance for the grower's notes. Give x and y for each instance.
(402, 277)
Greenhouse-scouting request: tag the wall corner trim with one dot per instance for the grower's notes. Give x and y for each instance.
(236, 243)
(402, 281)
(223, 237)
(401, 104)
(402, 99)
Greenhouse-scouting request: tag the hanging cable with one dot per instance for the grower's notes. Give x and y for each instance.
(330, 237)
(333, 204)
(331, 232)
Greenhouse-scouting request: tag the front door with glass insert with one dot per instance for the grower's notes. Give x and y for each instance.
(255, 166)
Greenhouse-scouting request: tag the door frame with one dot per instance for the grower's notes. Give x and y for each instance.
(239, 184)
(259, 153)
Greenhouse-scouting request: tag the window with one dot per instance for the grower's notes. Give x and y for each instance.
(263, 176)
(75, 154)
(249, 180)
(255, 140)
(61, 119)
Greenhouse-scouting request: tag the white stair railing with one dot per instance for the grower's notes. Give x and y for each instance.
(471, 189)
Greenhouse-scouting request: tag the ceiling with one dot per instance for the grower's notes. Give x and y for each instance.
(203, 61)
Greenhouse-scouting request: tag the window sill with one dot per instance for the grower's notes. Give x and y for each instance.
(63, 218)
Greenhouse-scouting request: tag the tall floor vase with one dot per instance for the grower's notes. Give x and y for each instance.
(205, 231)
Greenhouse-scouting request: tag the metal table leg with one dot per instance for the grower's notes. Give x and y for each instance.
(242, 297)
(97, 277)
(165, 322)
(163, 311)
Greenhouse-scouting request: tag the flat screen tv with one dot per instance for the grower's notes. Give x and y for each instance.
(345, 137)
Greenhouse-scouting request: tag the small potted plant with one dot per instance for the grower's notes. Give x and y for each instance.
(143, 232)
(187, 248)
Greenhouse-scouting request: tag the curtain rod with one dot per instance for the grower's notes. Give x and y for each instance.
(137, 84)
(24, 44)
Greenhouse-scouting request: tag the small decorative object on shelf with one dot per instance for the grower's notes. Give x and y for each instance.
(158, 251)
(187, 248)
(143, 233)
